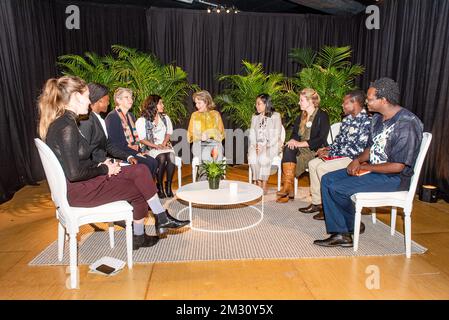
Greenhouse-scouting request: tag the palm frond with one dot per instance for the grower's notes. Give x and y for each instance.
(304, 56)
(141, 72)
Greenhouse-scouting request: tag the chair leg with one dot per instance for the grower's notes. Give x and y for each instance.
(129, 243)
(357, 221)
(296, 187)
(250, 174)
(408, 234)
(111, 235)
(61, 241)
(279, 177)
(179, 177)
(394, 211)
(73, 262)
(373, 215)
(193, 173)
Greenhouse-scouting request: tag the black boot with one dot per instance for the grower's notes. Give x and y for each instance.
(165, 221)
(168, 191)
(160, 191)
(144, 241)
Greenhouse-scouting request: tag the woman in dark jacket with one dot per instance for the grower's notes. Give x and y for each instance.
(91, 183)
(309, 134)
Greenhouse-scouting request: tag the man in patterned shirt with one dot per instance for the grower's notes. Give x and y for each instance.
(393, 146)
(350, 142)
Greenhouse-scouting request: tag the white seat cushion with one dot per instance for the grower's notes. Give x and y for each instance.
(398, 195)
(114, 211)
(112, 207)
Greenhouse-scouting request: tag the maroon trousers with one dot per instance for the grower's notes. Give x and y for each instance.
(134, 184)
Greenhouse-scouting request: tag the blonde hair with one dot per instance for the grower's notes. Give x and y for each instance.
(119, 91)
(206, 97)
(55, 97)
(312, 96)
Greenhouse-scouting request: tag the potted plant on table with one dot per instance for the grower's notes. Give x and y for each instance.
(214, 170)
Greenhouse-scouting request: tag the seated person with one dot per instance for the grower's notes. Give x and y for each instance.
(206, 129)
(94, 128)
(264, 140)
(393, 146)
(89, 183)
(309, 134)
(122, 130)
(350, 142)
(154, 128)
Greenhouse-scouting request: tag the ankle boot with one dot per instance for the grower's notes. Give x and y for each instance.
(165, 221)
(160, 190)
(288, 191)
(168, 191)
(144, 241)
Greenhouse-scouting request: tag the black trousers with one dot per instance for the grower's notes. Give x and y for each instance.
(289, 155)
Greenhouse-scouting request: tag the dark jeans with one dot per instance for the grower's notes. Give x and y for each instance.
(337, 188)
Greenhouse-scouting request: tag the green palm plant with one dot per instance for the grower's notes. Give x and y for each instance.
(330, 73)
(239, 98)
(141, 72)
(93, 68)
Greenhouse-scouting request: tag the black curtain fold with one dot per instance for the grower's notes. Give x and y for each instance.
(411, 47)
(19, 164)
(101, 25)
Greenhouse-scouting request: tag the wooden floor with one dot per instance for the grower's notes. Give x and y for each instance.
(28, 225)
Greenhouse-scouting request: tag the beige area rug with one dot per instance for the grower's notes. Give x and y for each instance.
(283, 233)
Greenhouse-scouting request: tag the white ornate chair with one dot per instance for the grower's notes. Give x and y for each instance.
(71, 218)
(402, 199)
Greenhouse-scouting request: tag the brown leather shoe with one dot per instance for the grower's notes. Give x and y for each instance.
(319, 215)
(282, 199)
(311, 208)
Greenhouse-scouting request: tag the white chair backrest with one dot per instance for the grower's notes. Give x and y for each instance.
(55, 176)
(333, 132)
(282, 135)
(427, 137)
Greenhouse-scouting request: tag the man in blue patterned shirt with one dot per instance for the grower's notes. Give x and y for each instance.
(349, 143)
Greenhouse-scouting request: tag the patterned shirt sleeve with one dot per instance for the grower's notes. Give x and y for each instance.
(353, 137)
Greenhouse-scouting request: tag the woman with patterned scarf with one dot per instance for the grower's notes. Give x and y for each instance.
(120, 124)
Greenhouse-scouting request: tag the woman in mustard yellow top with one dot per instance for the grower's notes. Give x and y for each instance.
(206, 130)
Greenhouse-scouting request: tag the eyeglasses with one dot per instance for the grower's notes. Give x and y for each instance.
(370, 100)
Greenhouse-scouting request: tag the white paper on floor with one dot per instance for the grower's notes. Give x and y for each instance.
(105, 264)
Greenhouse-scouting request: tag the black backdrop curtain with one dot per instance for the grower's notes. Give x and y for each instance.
(206, 45)
(410, 47)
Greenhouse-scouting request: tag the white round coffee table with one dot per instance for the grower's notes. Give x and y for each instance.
(199, 193)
